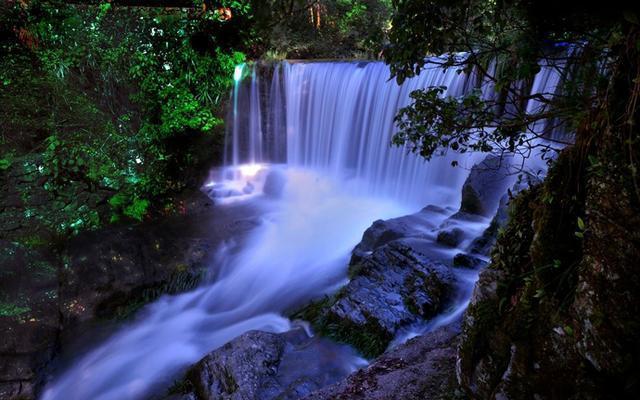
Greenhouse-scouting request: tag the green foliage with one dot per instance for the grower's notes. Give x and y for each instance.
(12, 310)
(324, 28)
(118, 201)
(435, 122)
(114, 98)
(581, 228)
(504, 44)
(33, 241)
(137, 209)
(5, 162)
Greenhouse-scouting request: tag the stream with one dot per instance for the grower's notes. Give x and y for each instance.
(309, 143)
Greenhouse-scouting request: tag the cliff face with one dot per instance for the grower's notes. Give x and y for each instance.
(557, 312)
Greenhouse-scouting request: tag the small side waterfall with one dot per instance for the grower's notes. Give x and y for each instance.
(328, 126)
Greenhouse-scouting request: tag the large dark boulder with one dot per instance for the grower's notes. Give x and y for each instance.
(486, 183)
(464, 260)
(381, 232)
(450, 237)
(263, 366)
(483, 244)
(390, 288)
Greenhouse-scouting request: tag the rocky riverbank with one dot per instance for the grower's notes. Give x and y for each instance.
(402, 274)
(63, 292)
(535, 323)
(555, 315)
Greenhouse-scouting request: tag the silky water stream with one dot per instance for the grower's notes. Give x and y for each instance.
(309, 143)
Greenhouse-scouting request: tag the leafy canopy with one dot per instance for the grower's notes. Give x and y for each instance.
(502, 45)
(118, 98)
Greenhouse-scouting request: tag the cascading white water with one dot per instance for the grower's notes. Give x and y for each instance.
(348, 134)
(339, 119)
(336, 121)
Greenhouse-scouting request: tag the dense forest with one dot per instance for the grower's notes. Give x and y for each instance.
(121, 99)
(132, 265)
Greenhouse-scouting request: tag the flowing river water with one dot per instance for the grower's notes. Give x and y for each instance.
(309, 143)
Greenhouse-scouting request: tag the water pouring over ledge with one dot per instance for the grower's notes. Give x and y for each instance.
(339, 173)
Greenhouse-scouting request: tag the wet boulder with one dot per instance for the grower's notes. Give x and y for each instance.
(450, 237)
(390, 288)
(241, 369)
(381, 232)
(483, 244)
(274, 183)
(465, 260)
(262, 366)
(484, 186)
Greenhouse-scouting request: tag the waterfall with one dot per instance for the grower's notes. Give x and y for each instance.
(339, 119)
(325, 128)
